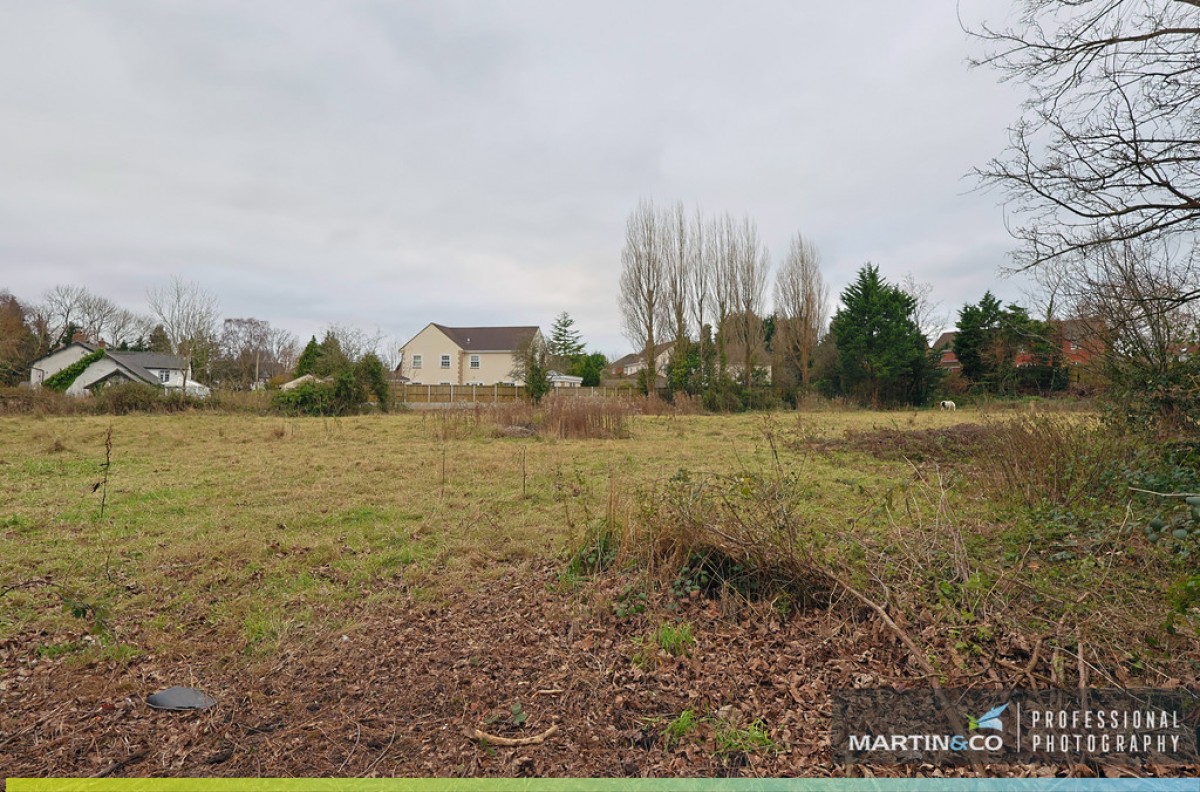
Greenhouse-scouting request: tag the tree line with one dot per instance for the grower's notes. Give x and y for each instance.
(183, 319)
(697, 286)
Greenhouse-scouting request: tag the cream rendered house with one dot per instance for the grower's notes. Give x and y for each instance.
(440, 355)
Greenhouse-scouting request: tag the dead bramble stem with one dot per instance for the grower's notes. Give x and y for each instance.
(105, 467)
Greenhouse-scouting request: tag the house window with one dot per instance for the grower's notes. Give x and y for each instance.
(445, 361)
(164, 377)
(474, 361)
(416, 361)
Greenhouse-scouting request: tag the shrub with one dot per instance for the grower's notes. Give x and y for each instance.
(371, 374)
(571, 417)
(254, 402)
(746, 531)
(1050, 459)
(597, 552)
(311, 398)
(566, 417)
(38, 401)
(1160, 402)
(127, 397)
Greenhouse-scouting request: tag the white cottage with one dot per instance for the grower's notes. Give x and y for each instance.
(109, 366)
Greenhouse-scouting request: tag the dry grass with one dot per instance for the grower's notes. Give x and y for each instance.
(249, 533)
(246, 530)
(970, 575)
(563, 417)
(1052, 459)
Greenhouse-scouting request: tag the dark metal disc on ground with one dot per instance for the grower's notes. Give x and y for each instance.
(181, 698)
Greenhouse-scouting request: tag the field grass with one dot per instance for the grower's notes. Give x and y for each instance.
(241, 531)
(320, 575)
(250, 533)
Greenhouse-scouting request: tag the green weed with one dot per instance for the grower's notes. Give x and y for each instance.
(679, 728)
(752, 738)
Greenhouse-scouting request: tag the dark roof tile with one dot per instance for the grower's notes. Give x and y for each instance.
(489, 339)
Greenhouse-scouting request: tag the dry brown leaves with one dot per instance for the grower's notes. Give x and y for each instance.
(403, 692)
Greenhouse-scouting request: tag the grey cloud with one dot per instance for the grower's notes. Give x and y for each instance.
(392, 164)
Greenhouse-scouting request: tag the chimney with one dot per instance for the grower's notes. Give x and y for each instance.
(101, 343)
(79, 336)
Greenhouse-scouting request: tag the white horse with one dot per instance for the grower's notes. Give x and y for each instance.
(949, 405)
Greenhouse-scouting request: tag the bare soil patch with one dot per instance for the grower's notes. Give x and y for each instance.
(401, 693)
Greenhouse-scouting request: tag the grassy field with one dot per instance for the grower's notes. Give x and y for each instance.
(427, 557)
(247, 529)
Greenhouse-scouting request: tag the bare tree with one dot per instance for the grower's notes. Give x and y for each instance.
(250, 350)
(188, 314)
(927, 312)
(643, 283)
(724, 277)
(126, 328)
(1046, 294)
(1107, 147)
(751, 265)
(285, 349)
(60, 311)
(95, 316)
(1127, 293)
(700, 269)
(801, 307)
(355, 342)
(677, 262)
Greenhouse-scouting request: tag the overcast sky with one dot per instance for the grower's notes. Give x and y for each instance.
(388, 164)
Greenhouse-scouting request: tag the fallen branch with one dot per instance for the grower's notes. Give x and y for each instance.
(904, 637)
(917, 655)
(1167, 494)
(515, 742)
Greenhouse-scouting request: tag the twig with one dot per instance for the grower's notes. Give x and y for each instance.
(904, 637)
(1167, 494)
(442, 494)
(28, 584)
(515, 742)
(357, 737)
(107, 464)
(1083, 677)
(917, 655)
(115, 766)
(1032, 676)
(1033, 658)
(382, 754)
